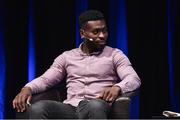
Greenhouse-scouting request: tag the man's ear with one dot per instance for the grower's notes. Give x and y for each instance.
(82, 33)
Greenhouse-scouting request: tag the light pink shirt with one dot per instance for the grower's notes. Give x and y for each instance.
(88, 75)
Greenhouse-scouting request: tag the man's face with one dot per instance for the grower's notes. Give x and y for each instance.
(96, 30)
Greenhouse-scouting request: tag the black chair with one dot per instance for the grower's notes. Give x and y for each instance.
(119, 110)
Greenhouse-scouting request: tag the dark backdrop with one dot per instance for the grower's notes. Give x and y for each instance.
(152, 45)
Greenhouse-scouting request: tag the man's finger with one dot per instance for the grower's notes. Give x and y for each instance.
(13, 103)
(106, 92)
(20, 103)
(28, 101)
(23, 103)
(109, 95)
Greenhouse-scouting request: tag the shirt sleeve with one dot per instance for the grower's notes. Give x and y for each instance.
(129, 80)
(51, 77)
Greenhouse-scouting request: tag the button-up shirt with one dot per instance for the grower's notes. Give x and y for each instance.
(87, 76)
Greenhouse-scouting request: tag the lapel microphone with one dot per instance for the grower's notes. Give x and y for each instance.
(89, 39)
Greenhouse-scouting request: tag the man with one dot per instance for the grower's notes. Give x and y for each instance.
(96, 75)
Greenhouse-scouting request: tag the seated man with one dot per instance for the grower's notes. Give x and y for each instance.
(96, 75)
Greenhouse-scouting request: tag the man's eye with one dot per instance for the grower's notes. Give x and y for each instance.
(95, 32)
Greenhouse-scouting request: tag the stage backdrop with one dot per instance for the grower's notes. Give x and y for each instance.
(34, 32)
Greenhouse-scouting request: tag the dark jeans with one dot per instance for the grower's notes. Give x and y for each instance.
(93, 109)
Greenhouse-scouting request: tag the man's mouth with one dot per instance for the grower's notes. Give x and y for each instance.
(101, 42)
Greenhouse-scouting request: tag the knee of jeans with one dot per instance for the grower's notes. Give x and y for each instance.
(38, 107)
(97, 104)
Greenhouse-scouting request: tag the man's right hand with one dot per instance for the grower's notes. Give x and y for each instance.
(21, 100)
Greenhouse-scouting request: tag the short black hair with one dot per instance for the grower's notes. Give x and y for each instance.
(90, 15)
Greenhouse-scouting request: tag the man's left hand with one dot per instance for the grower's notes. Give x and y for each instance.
(110, 94)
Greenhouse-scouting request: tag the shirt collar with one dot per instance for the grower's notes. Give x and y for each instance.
(82, 53)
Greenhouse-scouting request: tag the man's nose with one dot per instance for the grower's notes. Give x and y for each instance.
(101, 34)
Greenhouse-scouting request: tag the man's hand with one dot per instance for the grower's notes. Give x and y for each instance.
(110, 94)
(21, 100)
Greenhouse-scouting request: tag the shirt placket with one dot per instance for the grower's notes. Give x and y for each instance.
(86, 77)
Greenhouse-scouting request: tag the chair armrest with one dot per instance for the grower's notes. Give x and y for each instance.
(52, 94)
(121, 107)
(56, 94)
